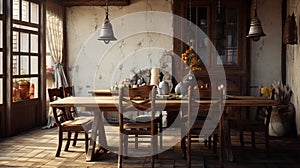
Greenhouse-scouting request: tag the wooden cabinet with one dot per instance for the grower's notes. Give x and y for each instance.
(225, 25)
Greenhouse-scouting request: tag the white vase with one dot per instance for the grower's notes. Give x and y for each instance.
(276, 126)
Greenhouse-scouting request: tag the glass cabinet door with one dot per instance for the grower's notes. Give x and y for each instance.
(227, 44)
(199, 16)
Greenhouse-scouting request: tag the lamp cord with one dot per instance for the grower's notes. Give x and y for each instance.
(106, 11)
(219, 7)
(190, 12)
(255, 9)
(190, 23)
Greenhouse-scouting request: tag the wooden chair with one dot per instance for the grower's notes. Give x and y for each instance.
(127, 103)
(199, 117)
(66, 124)
(73, 113)
(145, 90)
(259, 124)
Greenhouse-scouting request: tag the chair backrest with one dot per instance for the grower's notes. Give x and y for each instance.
(55, 93)
(142, 92)
(190, 106)
(68, 91)
(59, 115)
(136, 99)
(192, 112)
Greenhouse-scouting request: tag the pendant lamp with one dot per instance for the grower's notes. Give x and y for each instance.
(106, 32)
(255, 31)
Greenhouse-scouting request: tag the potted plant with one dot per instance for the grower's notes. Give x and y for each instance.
(24, 85)
(282, 116)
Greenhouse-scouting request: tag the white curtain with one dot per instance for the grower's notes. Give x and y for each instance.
(55, 40)
(54, 28)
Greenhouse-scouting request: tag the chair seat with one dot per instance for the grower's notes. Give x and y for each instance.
(146, 118)
(137, 125)
(84, 118)
(77, 122)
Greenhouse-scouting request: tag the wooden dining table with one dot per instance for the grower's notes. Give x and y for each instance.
(110, 103)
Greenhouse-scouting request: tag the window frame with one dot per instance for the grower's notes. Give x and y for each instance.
(30, 29)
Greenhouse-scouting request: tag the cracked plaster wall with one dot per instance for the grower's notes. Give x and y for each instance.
(293, 62)
(84, 50)
(266, 53)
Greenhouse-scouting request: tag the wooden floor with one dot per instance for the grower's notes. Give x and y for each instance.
(37, 148)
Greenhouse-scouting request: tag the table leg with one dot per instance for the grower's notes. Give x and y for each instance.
(101, 131)
(92, 145)
(98, 129)
(227, 142)
(221, 141)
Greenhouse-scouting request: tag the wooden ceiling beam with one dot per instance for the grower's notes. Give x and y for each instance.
(68, 3)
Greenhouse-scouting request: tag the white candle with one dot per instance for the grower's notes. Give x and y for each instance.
(154, 76)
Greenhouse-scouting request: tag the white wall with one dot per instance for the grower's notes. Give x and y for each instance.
(266, 53)
(92, 64)
(293, 62)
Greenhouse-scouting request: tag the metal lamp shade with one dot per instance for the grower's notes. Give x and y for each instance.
(106, 32)
(255, 31)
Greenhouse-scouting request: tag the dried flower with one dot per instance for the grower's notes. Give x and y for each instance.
(50, 70)
(191, 59)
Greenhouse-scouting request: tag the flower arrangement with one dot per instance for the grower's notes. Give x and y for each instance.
(283, 93)
(50, 70)
(190, 57)
(267, 91)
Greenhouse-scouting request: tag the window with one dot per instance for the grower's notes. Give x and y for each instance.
(25, 46)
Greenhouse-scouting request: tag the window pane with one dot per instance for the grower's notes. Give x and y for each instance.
(34, 13)
(25, 11)
(34, 42)
(24, 65)
(15, 65)
(1, 34)
(1, 91)
(1, 63)
(16, 10)
(34, 64)
(24, 42)
(15, 41)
